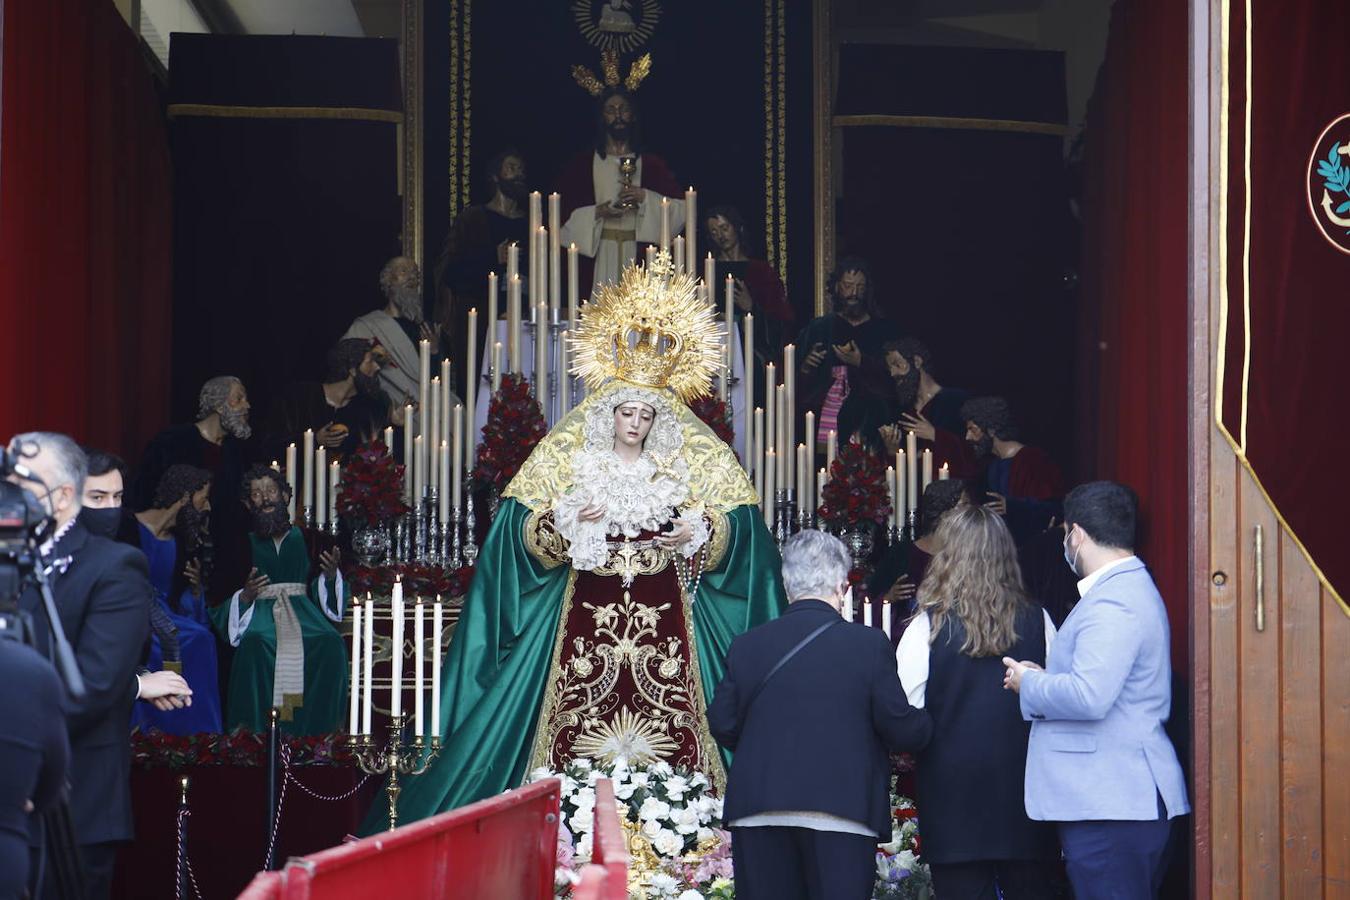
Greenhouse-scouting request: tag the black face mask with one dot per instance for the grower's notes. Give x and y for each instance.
(102, 522)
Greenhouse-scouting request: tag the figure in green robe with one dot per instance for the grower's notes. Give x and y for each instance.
(288, 651)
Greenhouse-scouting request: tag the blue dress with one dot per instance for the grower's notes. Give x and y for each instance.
(196, 641)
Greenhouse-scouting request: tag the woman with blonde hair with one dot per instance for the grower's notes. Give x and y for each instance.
(973, 611)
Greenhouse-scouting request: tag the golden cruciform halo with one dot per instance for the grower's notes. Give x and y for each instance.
(649, 329)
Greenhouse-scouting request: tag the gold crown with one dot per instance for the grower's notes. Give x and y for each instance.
(609, 64)
(650, 329)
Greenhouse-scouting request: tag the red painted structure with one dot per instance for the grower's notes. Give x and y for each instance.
(610, 850)
(505, 846)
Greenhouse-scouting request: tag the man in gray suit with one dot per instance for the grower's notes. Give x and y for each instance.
(1099, 763)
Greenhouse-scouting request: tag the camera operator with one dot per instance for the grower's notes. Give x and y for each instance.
(102, 595)
(33, 752)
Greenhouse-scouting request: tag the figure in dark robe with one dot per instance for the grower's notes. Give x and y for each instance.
(1020, 482)
(347, 409)
(610, 222)
(839, 354)
(930, 409)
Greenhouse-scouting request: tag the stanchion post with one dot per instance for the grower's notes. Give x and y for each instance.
(183, 837)
(272, 739)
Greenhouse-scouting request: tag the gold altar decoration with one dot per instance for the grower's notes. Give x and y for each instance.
(609, 66)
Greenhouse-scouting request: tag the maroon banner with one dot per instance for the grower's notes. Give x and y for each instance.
(1281, 373)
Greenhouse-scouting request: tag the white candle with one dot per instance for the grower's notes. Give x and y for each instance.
(770, 470)
(443, 407)
(353, 716)
(564, 370)
(831, 451)
(320, 487)
(748, 364)
(432, 431)
(790, 386)
(513, 324)
(821, 478)
(436, 670)
(809, 439)
(803, 476)
(868, 607)
(456, 454)
(783, 481)
(334, 480)
(770, 408)
(911, 471)
(290, 479)
(471, 377)
(890, 490)
(944, 473)
(709, 275)
(492, 307)
(307, 489)
(419, 471)
(573, 292)
(418, 682)
(539, 282)
(276, 467)
(541, 358)
(756, 455)
(665, 223)
(848, 606)
(368, 683)
(536, 271)
(690, 228)
(448, 470)
(886, 618)
(423, 383)
(512, 261)
(677, 253)
(396, 648)
(728, 316)
(554, 254)
(496, 366)
(408, 452)
(927, 468)
(901, 481)
(651, 256)
(389, 441)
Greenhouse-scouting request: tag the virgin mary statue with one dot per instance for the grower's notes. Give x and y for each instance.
(624, 557)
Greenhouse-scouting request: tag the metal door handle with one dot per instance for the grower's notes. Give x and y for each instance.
(1260, 580)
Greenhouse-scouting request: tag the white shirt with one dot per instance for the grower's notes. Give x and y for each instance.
(1089, 581)
(911, 657)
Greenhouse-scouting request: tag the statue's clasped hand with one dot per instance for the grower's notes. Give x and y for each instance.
(677, 536)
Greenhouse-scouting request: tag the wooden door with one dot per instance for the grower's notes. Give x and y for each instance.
(1270, 641)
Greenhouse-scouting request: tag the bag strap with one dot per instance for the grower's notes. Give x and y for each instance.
(801, 645)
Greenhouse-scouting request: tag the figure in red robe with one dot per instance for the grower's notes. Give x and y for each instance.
(609, 220)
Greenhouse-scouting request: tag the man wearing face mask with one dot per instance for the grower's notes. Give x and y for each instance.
(102, 596)
(808, 797)
(1099, 762)
(346, 409)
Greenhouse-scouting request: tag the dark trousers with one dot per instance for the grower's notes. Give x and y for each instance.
(781, 863)
(1009, 879)
(1115, 860)
(97, 862)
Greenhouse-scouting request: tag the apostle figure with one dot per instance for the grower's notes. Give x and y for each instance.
(288, 652)
(346, 409)
(758, 289)
(172, 535)
(624, 557)
(839, 354)
(1021, 483)
(396, 329)
(219, 442)
(607, 219)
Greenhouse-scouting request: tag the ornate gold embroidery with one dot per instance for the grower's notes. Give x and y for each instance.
(542, 742)
(629, 559)
(543, 541)
(719, 539)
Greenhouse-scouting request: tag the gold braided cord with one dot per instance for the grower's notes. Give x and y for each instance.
(782, 141)
(716, 477)
(770, 244)
(466, 156)
(454, 107)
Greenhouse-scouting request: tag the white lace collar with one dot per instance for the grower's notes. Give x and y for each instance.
(638, 496)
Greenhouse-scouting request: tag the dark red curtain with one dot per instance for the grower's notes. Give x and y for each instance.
(84, 227)
(1133, 332)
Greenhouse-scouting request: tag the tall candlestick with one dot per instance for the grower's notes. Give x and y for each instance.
(770, 473)
(709, 275)
(886, 618)
(911, 471)
(665, 223)
(419, 470)
(320, 486)
(927, 468)
(755, 458)
(564, 369)
(677, 253)
(848, 606)
(334, 480)
(890, 491)
(512, 261)
(396, 648)
(541, 358)
(433, 429)
(821, 478)
(423, 383)
(492, 307)
(901, 486)
(307, 489)
(536, 270)
(790, 387)
(690, 228)
(831, 450)
(290, 479)
(408, 467)
(513, 324)
(944, 472)
(457, 446)
(784, 478)
(650, 256)
(418, 640)
(443, 408)
(436, 669)
(770, 407)
(867, 612)
(368, 682)
(573, 290)
(448, 471)
(389, 440)
(803, 474)
(353, 715)
(496, 366)
(554, 255)
(748, 365)
(471, 385)
(809, 438)
(539, 285)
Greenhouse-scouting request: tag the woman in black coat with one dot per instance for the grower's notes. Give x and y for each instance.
(973, 611)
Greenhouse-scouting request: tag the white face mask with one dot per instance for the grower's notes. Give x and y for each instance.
(1072, 560)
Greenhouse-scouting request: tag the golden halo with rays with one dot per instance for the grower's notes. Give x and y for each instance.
(649, 329)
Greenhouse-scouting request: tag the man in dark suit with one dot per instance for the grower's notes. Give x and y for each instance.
(102, 593)
(812, 706)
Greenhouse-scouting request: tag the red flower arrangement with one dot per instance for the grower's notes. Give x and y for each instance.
(857, 491)
(371, 491)
(418, 579)
(240, 747)
(514, 426)
(716, 416)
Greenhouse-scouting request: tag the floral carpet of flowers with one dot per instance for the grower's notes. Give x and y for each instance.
(155, 749)
(673, 822)
(371, 490)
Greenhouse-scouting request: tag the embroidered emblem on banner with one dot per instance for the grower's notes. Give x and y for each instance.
(1329, 183)
(621, 25)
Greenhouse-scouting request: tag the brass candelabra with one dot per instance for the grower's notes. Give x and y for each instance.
(396, 758)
